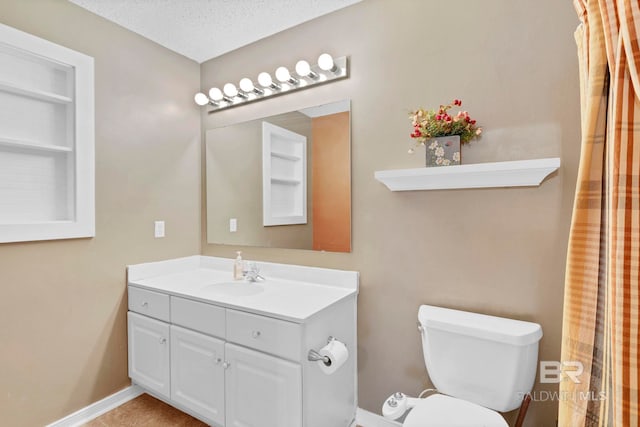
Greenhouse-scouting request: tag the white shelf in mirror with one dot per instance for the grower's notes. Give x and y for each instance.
(34, 93)
(286, 181)
(20, 143)
(285, 156)
(518, 173)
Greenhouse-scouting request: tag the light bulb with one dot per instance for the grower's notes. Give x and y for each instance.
(325, 62)
(230, 90)
(264, 79)
(303, 68)
(201, 99)
(215, 94)
(246, 85)
(283, 74)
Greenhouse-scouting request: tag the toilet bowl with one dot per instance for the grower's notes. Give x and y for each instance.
(480, 365)
(439, 410)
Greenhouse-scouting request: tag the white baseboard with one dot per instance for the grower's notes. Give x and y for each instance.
(98, 408)
(369, 419)
(363, 418)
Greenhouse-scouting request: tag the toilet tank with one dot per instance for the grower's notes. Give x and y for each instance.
(483, 359)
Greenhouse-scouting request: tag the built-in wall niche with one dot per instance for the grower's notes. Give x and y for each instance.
(46, 140)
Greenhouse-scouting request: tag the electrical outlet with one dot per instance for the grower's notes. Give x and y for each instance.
(159, 229)
(233, 225)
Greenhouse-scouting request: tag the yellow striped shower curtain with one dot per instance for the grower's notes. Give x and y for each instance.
(602, 292)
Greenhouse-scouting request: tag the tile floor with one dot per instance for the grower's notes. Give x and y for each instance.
(145, 411)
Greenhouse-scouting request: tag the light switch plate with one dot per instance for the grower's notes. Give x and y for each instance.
(159, 229)
(233, 225)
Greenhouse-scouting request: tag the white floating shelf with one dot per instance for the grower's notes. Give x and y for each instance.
(519, 173)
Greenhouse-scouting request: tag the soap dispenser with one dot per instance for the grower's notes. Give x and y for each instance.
(238, 267)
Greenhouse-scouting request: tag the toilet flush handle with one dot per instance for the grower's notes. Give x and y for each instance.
(420, 328)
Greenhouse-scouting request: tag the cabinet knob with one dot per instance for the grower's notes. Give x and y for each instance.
(226, 365)
(256, 334)
(163, 340)
(145, 304)
(218, 360)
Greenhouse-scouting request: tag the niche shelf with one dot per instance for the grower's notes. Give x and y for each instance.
(34, 93)
(519, 173)
(285, 156)
(22, 143)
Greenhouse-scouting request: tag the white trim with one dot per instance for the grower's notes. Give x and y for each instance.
(98, 408)
(369, 419)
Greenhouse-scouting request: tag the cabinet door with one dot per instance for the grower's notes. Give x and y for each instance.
(262, 390)
(149, 353)
(197, 373)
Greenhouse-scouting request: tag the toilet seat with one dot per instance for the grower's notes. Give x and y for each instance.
(439, 410)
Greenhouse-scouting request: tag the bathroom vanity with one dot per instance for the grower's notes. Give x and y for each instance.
(235, 353)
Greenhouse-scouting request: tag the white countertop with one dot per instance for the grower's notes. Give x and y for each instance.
(293, 293)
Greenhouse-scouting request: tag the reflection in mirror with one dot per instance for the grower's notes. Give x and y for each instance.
(250, 182)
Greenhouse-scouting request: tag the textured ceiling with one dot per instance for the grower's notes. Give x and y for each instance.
(204, 29)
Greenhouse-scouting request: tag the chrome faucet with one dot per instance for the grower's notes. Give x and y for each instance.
(253, 273)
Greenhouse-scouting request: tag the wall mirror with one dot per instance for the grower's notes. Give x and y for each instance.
(282, 181)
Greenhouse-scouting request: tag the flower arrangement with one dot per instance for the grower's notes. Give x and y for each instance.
(430, 124)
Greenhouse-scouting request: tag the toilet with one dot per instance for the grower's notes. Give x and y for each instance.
(480, 365)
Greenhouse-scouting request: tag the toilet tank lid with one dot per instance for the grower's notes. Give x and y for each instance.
(500, 329)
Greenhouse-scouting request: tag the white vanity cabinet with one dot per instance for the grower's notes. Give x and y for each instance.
(262, 390)
(220, 382)
(149, 353)
(237, 366)
(197, 373)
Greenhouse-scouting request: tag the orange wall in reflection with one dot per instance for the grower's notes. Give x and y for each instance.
(331, 183)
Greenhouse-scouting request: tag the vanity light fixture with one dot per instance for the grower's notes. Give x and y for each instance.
(327, 69)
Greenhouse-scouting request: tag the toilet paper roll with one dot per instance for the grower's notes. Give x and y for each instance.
(337, 353)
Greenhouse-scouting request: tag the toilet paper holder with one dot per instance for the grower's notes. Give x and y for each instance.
(314, 356)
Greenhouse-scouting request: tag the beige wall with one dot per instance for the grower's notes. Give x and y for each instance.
(63, 303)
(496, 251)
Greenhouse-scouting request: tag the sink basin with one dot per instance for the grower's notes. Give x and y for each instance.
(235, 288)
